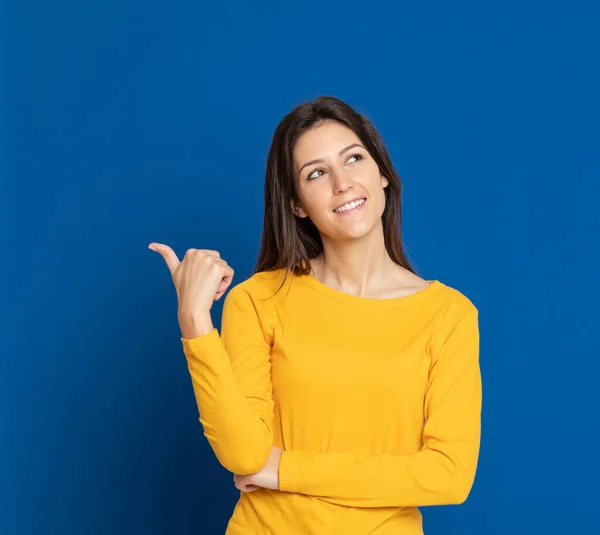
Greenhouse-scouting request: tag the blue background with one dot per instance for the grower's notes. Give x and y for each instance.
(131, 122)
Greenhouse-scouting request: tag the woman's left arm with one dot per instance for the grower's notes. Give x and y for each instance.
(441, 473)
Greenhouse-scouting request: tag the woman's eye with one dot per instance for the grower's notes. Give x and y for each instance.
(314, 174)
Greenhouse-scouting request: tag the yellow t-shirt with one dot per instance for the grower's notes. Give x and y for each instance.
(375, 402)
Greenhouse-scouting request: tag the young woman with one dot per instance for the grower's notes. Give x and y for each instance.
(344, 391)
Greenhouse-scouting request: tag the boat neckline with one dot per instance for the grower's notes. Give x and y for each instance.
(432, 288)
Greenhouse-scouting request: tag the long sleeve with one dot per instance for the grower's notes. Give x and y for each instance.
(442, 472)
(231, 378)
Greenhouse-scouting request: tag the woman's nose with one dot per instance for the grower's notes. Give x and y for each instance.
(342, 180)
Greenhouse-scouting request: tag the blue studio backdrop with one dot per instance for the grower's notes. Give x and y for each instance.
(131, 122)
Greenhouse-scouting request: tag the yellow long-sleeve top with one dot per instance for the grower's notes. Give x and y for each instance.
(375, 402)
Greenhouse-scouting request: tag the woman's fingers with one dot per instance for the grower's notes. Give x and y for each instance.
(168, 255)
(171, 258)
(243, 484)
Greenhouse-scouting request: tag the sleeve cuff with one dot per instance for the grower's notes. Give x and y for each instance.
(205, 344)
(287, 472)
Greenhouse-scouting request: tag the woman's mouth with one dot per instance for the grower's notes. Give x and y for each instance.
(350, 208)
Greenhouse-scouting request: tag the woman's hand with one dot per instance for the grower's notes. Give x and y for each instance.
(200, 279)
(267, 477)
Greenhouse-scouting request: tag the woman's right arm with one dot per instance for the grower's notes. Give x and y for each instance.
(231, 378)
(231, 372)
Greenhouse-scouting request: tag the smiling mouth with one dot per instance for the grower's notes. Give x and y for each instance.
(350, 207)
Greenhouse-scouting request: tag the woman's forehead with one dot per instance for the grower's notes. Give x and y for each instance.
(324, 140)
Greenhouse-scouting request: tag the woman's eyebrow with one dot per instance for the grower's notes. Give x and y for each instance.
(353, 145)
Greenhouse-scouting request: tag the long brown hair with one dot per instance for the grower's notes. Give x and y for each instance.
(289, 241)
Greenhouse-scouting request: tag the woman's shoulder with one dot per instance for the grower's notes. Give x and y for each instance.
(457, 298)
(261, 284)
(454, 305)
(444, 296)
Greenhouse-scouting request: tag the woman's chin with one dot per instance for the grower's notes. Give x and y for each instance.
(352, 232)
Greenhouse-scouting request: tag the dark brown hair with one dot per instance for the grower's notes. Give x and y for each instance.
(289, 241)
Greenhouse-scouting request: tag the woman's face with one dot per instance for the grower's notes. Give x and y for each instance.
(332, 168)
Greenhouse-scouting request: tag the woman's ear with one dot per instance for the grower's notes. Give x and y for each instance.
(384, 181)
(297, 209)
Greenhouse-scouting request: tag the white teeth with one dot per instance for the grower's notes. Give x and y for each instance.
(349, 206)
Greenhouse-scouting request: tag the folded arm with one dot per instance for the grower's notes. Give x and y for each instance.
(442, 472)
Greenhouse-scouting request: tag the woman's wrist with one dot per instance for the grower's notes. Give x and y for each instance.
(194, 325)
